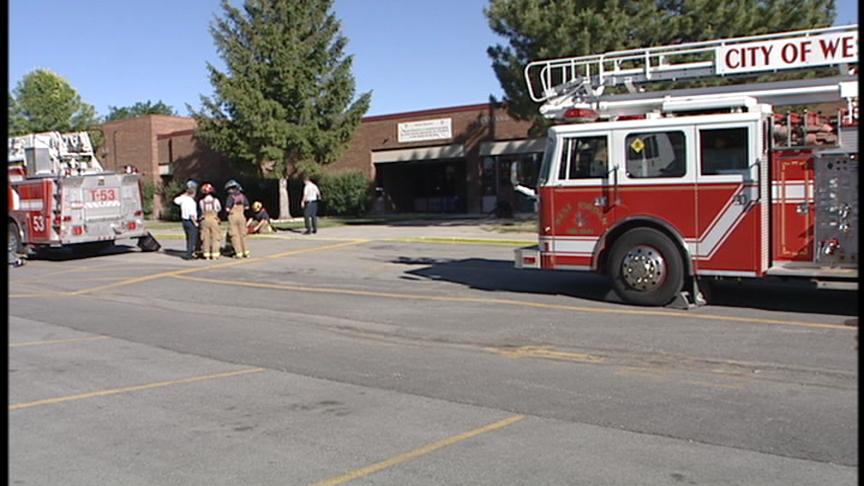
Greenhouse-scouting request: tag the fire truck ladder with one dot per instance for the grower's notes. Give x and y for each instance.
(581, 81)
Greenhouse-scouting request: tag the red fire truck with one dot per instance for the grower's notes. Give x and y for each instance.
(60, 195)
(664, 189)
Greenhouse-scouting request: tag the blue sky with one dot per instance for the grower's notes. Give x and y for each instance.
(413, 54)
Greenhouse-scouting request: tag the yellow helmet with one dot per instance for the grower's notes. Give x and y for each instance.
(256, 206)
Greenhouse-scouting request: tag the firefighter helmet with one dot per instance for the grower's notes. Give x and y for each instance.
(207, 188)
(233, 184)
(256, 206)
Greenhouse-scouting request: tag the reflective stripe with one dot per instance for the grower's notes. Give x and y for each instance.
(31, 204)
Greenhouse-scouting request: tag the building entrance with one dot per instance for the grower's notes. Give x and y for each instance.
(433, 186)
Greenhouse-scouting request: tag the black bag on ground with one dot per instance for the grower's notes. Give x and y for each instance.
(228, 249)
(148, 243)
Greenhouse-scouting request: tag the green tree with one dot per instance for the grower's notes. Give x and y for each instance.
(543, 29)
(17, 123)
(285, 104)
(43, 102)
(138, 109)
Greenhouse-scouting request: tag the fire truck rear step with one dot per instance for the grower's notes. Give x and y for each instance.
(813, 271)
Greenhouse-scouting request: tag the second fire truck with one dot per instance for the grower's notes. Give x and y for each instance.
(60, 196)
(661, 189)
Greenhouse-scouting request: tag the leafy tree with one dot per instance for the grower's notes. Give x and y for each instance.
(43, 101)
(138, 109)
(17, 123)
(284, 104)
(543, 29)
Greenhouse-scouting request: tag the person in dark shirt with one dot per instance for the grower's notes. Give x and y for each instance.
(260, 220)
(236, 205)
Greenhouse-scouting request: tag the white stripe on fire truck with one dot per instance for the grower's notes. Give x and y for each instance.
(101, 204)
(791, 192)
(702, 248)
(564, 244)
(31, 204)
(705, 247)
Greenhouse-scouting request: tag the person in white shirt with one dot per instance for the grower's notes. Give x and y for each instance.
(189, 217)
(311, 196)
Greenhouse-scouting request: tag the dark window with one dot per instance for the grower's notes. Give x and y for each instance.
(724, 150)
(659, 154)
(584, 158)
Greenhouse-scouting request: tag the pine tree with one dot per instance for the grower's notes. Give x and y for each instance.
(544, 29)
(285, 104)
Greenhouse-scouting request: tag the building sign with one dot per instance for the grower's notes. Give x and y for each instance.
(425, 130)
(804, 51)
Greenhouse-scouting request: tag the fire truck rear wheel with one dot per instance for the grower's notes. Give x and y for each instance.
(646, 267)
(14, 238)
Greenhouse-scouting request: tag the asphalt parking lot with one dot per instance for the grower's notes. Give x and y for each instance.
(395, 356)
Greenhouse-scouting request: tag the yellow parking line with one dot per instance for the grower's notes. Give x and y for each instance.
(56, 341)
(318, 248)
(174, 273)
(39, 295)
(463, 241)
(520, 303)
(115, 391)
(422, 451)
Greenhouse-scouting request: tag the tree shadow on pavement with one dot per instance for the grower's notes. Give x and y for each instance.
(500, 275)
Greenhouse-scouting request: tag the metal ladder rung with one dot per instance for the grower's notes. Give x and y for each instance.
(552, 77)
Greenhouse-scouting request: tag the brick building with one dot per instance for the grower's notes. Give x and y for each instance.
(444, 160)
(457, 159)
(160, 147)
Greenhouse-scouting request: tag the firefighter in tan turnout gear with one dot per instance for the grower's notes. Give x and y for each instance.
(236, 204)
(210, 237)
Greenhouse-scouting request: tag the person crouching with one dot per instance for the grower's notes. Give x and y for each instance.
(259, 223)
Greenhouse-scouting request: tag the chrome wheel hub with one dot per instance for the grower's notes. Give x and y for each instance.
(643, 268)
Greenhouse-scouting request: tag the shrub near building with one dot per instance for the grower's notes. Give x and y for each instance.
(345, 193)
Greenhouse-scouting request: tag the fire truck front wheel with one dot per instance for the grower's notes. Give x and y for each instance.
(646, 267)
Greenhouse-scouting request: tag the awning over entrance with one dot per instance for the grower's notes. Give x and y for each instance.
(512, 147)
(454, 151)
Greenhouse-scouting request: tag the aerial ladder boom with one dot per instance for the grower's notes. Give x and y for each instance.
(582, 82)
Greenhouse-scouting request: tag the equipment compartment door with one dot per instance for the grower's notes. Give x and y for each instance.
(792, 209)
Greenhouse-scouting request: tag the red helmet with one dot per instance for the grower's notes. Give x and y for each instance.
(207, 189)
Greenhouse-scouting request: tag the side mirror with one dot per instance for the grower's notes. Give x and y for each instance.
(514, 173)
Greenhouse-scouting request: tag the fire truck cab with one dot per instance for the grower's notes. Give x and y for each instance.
(659, 189)
(59, 195)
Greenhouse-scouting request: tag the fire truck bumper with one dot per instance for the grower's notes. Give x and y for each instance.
(528, 257)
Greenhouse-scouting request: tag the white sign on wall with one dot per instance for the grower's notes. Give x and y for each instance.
(425, 130)
(805, 51)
